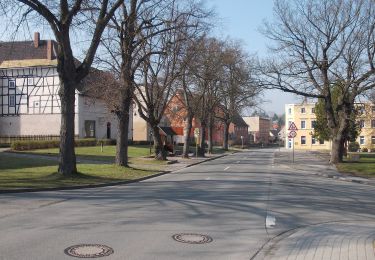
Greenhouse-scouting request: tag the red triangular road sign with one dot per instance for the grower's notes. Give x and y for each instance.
(292, 127)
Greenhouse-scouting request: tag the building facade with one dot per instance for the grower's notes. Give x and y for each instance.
(304, 118)
(29, 99)
(175, 117)
(366, 117)
(259, 129)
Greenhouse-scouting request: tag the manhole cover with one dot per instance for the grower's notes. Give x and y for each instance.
(88, 251)
(192, 238)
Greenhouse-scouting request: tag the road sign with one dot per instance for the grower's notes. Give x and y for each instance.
(292, 134)
(292, 127)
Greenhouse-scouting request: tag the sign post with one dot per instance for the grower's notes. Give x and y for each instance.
(196, 135)
(292, 134)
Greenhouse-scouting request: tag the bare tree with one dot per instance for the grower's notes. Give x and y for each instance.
(159, 75)
(206, 73)
(63, 16)
(132, 29)
(238, 89)
(320, 43)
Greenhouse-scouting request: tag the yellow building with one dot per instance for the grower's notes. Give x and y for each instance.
(366, 119)
(303, 116)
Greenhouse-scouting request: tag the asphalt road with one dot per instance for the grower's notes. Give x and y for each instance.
(252, 205)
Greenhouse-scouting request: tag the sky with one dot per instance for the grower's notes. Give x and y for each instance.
(238, 19)
(241, 20)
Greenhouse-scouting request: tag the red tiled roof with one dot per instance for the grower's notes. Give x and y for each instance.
(24, 50)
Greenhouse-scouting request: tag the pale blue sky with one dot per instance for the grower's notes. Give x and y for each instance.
(238, 19)
(241, 19)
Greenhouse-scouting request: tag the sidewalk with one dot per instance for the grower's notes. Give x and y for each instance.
(344, 240)
(316, 163)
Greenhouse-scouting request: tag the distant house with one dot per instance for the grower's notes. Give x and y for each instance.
(175, 117)
(30, 104)
(259, 129)
(274, 135)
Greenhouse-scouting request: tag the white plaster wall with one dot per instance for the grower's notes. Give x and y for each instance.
(95, 110)
(48, 124)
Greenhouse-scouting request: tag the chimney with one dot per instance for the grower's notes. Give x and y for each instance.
(36, 39)
(49, 49)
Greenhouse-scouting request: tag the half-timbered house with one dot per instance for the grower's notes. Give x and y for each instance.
(29, 100)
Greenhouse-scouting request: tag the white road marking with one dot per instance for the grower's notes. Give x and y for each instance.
(270, 221)
(226, 168)
(208, 178)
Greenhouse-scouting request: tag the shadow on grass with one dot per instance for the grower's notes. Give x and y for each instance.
(10, 161)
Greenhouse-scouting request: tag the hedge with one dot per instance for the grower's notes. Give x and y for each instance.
(31, 145)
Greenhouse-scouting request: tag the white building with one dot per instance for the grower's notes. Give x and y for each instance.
(29, 100)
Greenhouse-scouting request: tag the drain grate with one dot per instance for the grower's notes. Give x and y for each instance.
(88, 251)
(191, 238)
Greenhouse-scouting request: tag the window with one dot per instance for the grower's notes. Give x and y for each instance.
(313, 110)
(313, 141)
(361, 123)
(30, 81)
(373, 109)
(361, 140)
(321, 141)
(373, 123)
(89, 128)
(12, 100)
(303, 139)
(289, 111)
(372, 139)
(303, 110)
(303, 124)
(11, 83)
(313, 124)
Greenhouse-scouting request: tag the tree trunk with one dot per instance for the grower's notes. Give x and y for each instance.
(122, 157)
(226, 136)
(339, 126)
(337, 150)
(160, 152)
(67, 160)
(210, 135)
(187, 130)
(202, 141)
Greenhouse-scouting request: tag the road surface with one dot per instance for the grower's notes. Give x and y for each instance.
(249, 205)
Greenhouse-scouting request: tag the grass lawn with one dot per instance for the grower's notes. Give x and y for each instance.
(364, 168)
(94, 153)
(22, 172)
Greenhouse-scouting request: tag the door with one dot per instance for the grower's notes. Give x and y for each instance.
(108, 130)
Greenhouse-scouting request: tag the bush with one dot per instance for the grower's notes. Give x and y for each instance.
(353, 147)
(32, 145)
(139, 142)
(106, 142)
(85, 142)
(365, 150)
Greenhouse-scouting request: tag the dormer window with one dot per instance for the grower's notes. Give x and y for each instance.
(303, 110)
(12, 84)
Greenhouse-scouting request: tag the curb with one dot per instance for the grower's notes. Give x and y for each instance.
(90, 186)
